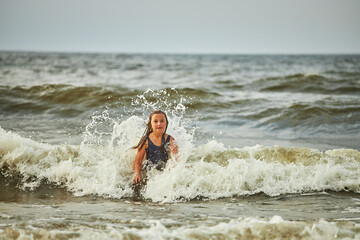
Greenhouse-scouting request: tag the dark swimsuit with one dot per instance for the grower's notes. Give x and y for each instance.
(154, 155)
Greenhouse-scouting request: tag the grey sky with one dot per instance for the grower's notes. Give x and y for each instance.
(186, 26)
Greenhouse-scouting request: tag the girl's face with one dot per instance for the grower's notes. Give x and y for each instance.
(158, 123)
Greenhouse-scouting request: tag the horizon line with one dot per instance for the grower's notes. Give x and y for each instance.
(176, 53)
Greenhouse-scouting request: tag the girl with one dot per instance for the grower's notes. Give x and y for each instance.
(155, 144)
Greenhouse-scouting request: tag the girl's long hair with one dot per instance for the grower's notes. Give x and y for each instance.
(149, 130)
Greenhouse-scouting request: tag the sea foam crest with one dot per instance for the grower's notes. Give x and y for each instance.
(242, 228)
(210, 170)
(253, 170)
(102, 163)
(82, 169)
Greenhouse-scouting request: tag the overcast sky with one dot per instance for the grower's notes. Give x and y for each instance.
(181, 26)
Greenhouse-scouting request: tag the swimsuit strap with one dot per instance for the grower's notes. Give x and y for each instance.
(167, 139)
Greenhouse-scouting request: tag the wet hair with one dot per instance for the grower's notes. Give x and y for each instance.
(149, 130)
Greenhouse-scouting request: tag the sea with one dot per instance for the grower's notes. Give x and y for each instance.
(269, 146)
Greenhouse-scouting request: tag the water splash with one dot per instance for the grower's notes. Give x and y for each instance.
(102, 163)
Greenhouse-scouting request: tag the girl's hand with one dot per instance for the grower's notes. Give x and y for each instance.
(137, 178)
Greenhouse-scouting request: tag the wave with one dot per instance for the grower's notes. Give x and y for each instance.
(47, 96)
(242, 228)
(297, 117)
(254, 170)
(64, 94)
(312, 117)
(311, 83)
(104, 168)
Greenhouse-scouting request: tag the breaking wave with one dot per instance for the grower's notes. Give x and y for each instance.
(242, 228)
(104, 167)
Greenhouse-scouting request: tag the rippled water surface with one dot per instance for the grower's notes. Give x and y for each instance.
(268, 146)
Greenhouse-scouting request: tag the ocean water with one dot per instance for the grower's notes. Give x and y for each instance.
(268, 146)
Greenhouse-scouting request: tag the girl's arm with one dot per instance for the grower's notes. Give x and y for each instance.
(138, 161)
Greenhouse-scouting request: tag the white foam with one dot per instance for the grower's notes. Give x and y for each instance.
(242, 228)
(97, 166)
(251, 174)
(210, 170)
